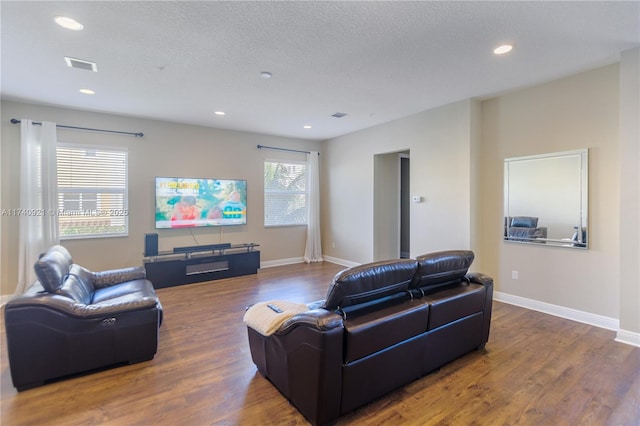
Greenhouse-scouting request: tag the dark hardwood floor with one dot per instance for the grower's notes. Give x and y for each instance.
(536, 370)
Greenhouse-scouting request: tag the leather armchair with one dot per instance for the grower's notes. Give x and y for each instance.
(73, 320)
(525, 228)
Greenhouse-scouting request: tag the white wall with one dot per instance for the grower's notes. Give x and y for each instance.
(167, 149)
(439, 142)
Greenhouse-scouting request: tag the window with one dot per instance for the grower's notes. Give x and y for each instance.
(92, 191)
(285, 193)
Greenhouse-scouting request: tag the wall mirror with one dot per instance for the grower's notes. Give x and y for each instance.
(546, 199)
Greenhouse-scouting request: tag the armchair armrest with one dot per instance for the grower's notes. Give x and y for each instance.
(69, 307)
(116, 276)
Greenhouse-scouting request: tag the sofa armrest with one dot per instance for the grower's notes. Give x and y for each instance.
(116, 276)
(304, 362)
(487, 282)
(319, 319)
(316, 305)
(480, 278)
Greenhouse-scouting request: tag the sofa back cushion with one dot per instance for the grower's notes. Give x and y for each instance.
(524, 222)
(443, 267)
(368, 332)
(368, 282)
(77, 285)
(52, 268)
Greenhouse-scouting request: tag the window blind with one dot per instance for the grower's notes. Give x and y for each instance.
(285, 193)
(92, 191)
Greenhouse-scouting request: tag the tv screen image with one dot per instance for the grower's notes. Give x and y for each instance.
(192, 202)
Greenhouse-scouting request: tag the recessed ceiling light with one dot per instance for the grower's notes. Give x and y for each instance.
(87, 91)
(307, 126)
(501, 50)
(68, 23)
(265, 74)
(220, 113)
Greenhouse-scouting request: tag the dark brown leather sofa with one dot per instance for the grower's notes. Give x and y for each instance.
(382, 325)
(73, 320)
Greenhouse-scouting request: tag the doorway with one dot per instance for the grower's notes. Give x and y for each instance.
(405, 208)
(391, 200)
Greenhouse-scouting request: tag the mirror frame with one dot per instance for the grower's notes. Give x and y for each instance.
(579, 240)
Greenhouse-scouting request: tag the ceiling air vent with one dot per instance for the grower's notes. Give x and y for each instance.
(339, 114)
(81, 64)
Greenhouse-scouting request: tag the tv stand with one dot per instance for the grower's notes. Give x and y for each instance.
(187, 265)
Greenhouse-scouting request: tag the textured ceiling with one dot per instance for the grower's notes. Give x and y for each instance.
(376, 61)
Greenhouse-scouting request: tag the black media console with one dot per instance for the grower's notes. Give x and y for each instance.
(186, 265)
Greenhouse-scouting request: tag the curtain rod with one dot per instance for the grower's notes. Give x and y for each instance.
(283, 149)
(136, 134)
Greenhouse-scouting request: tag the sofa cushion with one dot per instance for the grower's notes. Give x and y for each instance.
(52, 268)
(454, 303)
(375, 329)
(524, 222)
(368, 282)
(77, 285)
(522, 232)
(442, 267)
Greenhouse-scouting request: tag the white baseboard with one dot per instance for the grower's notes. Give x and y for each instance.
(628, 337)
(339, 261)
(601, 321)
(294, 260)
(559, 311)
(281, 262)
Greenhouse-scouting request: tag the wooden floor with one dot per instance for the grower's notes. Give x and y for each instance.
(536, 370)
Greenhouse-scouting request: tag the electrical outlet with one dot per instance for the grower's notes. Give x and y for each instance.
(514, 275)
(333, 244)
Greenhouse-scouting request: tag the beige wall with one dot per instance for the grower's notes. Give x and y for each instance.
(166, 149)
(439, 145)
(457, 153)
(577, 112)
(630, 191)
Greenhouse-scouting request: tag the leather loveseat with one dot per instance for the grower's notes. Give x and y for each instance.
(382, 325)
(72, 320)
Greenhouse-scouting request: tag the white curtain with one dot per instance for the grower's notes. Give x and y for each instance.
(38, 219)
(313, 249)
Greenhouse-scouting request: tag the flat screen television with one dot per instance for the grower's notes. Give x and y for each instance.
(192, 202)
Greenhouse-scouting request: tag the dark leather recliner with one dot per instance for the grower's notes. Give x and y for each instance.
(73, 320)
(525, 228)
(381, 326)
